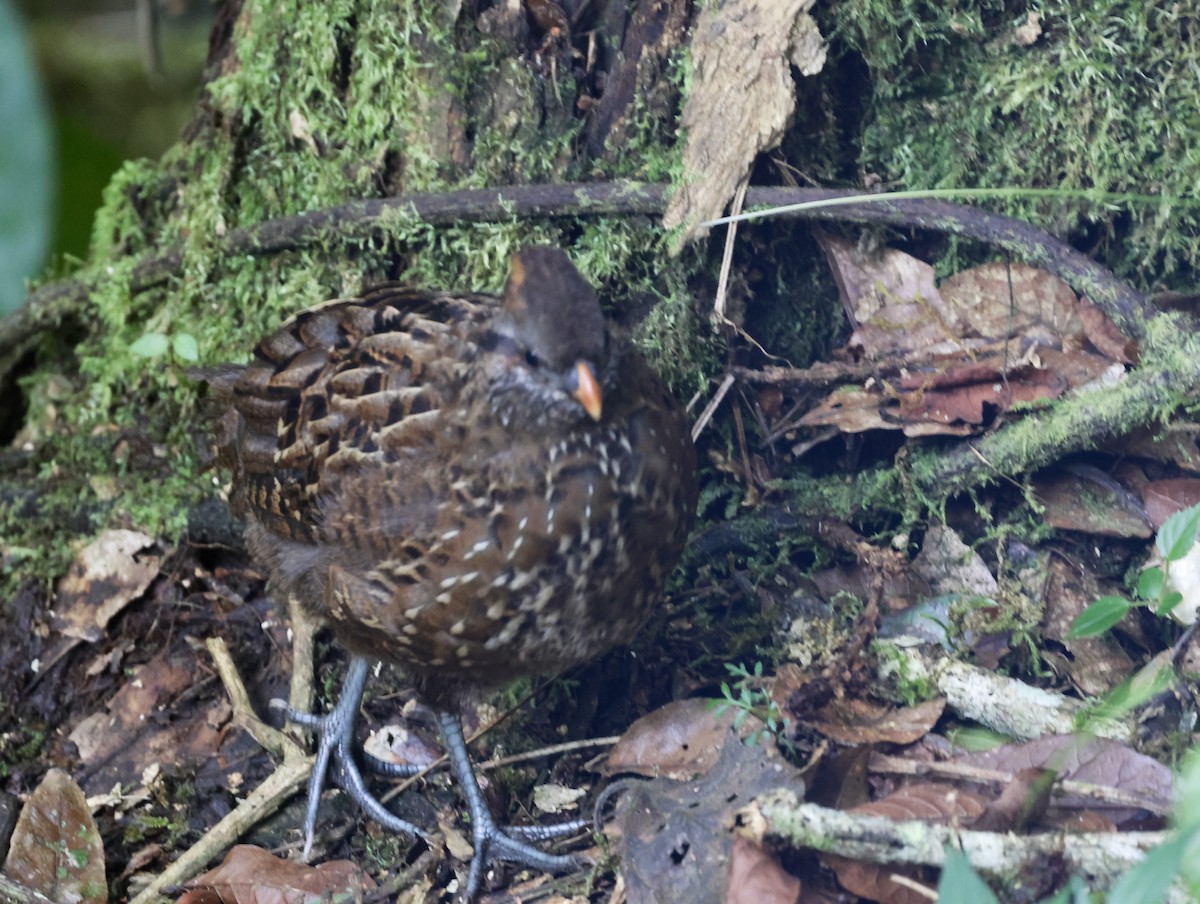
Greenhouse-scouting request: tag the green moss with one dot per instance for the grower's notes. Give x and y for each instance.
(1103, 99)
(896, 672)
(323, 103)
(653, 149)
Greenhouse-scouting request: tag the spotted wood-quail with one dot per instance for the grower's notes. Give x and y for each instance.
(474, 488)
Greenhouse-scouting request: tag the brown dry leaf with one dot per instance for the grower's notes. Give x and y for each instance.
(901, 587)
(755, 877)
(739, 104)
(1096, 664)
(1039, 306)
(1088, 500)
(892, 300)
(672, 835)
(1105, 335)
(1079, 368)
(934, 802)
(250, 875)
(120, 743)
(55, 847)
(902, 331)
(1095, 761)
(851, 410)
(1163, 498)
(873, 881)
(856, 722)
(975, 393)
(926, 801)
(151, 687)
(1022, 802)
(854, 410)
(873, 279)
(679, 740)
(1177, 445)
(107, 575)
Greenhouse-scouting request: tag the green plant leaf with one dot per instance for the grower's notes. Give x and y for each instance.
(151, 345)
(1150, 584)
(1169, 602)
(1147, 883)
(1178, 534)
(26, 163)
(1099, 617)
(1186, 813)
(1146, 683)
(185, 347)
(960, 882)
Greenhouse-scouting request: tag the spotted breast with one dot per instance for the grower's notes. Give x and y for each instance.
(476, 488)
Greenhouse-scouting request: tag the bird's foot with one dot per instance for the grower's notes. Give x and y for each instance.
(335, 732)
(491, 841)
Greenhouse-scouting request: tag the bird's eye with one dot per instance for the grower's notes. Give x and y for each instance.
(532, 360)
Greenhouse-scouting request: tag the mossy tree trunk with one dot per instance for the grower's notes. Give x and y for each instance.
(306, 106)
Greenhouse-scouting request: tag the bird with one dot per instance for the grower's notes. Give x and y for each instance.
(474, 488)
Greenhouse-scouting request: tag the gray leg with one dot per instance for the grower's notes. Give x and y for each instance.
(335, 732)
(491, 842)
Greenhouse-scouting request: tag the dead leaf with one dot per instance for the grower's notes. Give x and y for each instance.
(851, 409)
(1176, 444)
(873, 881)
(680, 740)
(150, 688)
(855, 722)
(672, 835)
(1022, 802)
(1105, 335)
(55, 847)
(755, 877)
(1095, 761)
(932, 802)
(999, 300)
(1096, 664)
(979, 399)
(133, 733)
(1088, 500)
(892, 300)
(873, 279)
(250, 875)
(106, 576)
(1163, 498)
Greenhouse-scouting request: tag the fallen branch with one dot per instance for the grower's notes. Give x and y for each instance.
(357, 220)
(779, 817)
(1005, 705)
(265, 800)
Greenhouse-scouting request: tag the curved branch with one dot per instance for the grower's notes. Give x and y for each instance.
(49, 305)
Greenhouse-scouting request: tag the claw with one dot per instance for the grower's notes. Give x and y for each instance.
(335, 732)
(492, 842)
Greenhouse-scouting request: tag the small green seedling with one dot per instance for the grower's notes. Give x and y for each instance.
(1174, 542)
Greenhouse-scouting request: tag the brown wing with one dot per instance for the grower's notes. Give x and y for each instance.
(338, 387)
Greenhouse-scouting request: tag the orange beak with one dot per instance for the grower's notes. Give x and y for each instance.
(587, 393)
